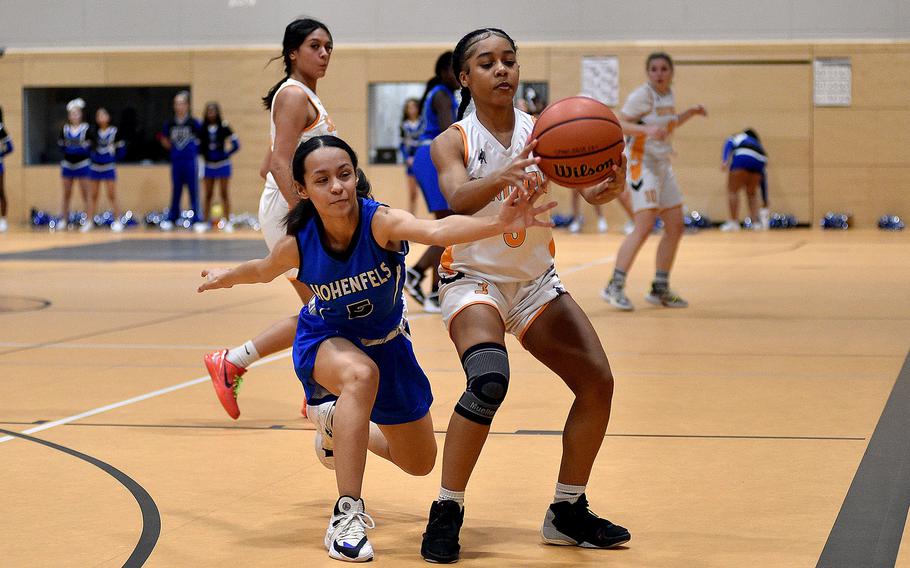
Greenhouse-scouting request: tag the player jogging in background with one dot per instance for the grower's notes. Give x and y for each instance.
(508, 283)
(6, 146)
(648, 119)
(745, 160)
(296, 114)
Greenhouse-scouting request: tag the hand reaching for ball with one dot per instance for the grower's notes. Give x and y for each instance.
(609, 189)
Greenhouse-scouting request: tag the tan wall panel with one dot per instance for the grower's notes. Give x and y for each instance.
(170, 68)
(877, 81)
(64, 69)
(862, 137)
(867, 193)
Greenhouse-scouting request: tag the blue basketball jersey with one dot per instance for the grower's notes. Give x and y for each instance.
(432, 129)
(357, 292)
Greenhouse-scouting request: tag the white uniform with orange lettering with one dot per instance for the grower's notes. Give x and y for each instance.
(513, 272)
(273, 207)
(650, 178)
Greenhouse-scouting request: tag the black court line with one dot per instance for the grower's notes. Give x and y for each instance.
(151, 519)
(869, 526)
(152, 250)
(285, 428)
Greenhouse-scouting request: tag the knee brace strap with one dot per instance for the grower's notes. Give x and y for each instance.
(486, 366)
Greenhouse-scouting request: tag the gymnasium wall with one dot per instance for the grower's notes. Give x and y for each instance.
(821, 158)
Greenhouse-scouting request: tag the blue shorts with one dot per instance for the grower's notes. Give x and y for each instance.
(217, 173)
(748, 163)
(404, 393)
(96, 175)
(428, 180)
(1, 168)
(68, 171)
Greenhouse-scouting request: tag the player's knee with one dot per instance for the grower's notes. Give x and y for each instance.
(422, 464)
(361, 377)
(486, 366)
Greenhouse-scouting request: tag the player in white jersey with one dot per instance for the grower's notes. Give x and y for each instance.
(648, 119)
(505, 284)
(296, 114)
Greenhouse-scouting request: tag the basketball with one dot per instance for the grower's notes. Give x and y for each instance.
(579, 140)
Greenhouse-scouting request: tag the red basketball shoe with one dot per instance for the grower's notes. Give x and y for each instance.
(226, 378)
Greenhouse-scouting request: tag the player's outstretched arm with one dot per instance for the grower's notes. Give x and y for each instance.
(609, 189)
(517, 213)
(282, 258)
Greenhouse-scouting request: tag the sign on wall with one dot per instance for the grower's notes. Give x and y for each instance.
(600, 78)
(833, 82)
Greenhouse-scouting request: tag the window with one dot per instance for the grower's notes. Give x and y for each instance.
(137, 112)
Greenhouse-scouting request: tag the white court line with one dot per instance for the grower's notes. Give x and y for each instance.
(196, 381)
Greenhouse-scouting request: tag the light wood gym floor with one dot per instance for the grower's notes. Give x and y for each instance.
(738, 424)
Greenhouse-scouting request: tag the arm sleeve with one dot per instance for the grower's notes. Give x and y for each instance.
(235, 142)
(728, 149)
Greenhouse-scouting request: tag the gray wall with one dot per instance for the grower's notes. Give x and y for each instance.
(118, 23)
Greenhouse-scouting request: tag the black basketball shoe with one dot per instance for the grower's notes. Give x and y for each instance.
(573, 524)
(440, 542)
(412, 280)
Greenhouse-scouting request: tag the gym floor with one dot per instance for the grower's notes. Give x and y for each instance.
(747, 430)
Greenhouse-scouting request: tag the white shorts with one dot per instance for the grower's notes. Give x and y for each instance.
(273, 208)
(518, 303)
(652, 185)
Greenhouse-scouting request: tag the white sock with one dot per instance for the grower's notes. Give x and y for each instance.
(446, 495)
(569, 493)
(244, 355)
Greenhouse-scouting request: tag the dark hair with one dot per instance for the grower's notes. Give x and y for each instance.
(443, 62)
(752, 133)
(301, 214)
(205, 115)
(294, 34)
(659, 55)
(461, 54)
(1, 114)
(404, 109)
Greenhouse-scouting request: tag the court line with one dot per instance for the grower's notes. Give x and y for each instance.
(151, 518)
(870, 524)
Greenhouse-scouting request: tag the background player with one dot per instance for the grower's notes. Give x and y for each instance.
(745, 160)
(509, 283)
(352, 350)
(296, 114)
(439, 108)
(409, 131)
(6, 146)
(107, 148)
(74, 141)
(648, 119)
(216, 133)
(180, 136)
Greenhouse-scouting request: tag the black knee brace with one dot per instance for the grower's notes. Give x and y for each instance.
(486, 366)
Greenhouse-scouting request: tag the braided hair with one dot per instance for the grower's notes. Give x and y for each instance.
(461, 54)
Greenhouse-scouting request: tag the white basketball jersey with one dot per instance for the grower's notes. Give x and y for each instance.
(655, 110)
(322, 126)
(511, 257)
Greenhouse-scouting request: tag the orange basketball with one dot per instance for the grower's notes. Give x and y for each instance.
(579, 140)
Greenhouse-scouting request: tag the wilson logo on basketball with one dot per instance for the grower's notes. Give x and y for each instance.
(581, 171)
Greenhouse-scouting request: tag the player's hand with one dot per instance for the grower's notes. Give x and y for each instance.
(518, 212)
(699, 110)
(656, 132)
(514, 174)
(410, 161)
(609, 189)
(214, 279)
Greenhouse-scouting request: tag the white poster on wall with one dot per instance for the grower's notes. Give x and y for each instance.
(600, 78)
(833, 82)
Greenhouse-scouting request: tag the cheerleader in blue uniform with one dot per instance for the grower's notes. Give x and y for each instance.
(107, 149)
(6, 146)
(216, 133)
(352, 349)
(410, 131)
(74, 141)
(180, 136)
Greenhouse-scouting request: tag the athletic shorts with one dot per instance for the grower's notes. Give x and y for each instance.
(428, 180)
(404, 393)
(273, 208)
(518, 303)
(653, 186)
(223, 171)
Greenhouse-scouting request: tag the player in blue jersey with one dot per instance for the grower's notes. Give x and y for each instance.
(409, 131)
(107, 148)
(439, 108)
(6, 146)
(352, 350)
(180, 136)
(75, 143)
(216, 134)
(745, 158)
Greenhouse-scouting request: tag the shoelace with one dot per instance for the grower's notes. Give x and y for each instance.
(354, 525)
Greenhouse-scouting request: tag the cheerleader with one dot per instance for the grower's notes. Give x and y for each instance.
(107, 148)
(74, 141)
(215, 134)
